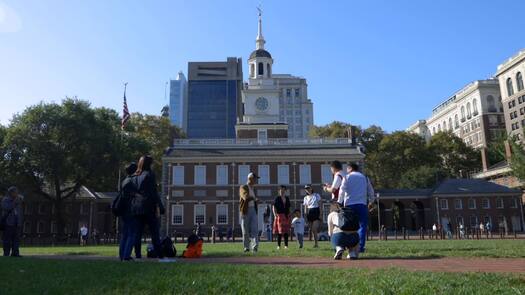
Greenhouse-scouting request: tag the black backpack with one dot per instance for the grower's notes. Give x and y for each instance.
(167, 248)
(349, 218)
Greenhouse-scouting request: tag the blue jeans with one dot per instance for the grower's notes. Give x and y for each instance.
(11, 240)
(154, 229)
(249, 225)
(128, 237)
(362, 211)
(300, 239)
(344, 240)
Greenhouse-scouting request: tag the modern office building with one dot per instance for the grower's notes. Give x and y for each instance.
(474, 113)
(510, 75)
(214, 98)
(179, 101)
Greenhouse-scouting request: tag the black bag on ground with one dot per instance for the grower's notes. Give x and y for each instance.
(150, 251)
(349, 218)
(167, 248)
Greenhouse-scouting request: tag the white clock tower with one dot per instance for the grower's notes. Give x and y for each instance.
(260, 97)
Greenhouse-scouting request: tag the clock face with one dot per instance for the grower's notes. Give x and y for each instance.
(261, 104)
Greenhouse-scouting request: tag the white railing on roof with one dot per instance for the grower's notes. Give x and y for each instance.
(285, 141)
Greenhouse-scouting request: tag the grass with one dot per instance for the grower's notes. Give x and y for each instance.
(375, 249)
(39, 276)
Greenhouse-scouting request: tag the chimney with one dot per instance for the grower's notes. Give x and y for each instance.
(508, 151)
(484, 159)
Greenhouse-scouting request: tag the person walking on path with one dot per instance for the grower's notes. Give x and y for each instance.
(281, 211)
(248, 209)
(358, 194)
(83, 235)
(312, 207)
(11, 217)
(150, 207)
(337, 170)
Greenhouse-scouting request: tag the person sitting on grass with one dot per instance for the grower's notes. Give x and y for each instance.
(342, 229)
(298, 227)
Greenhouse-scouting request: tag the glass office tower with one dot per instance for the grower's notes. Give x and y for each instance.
(178, 101)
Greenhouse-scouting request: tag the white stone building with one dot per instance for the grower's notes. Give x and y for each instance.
(474, 114)
(510, 75)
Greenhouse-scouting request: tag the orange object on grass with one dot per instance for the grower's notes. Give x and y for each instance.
(193, 250)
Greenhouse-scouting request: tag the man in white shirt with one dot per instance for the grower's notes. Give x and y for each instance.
(335, 188)
(357, 193)
(83, 235)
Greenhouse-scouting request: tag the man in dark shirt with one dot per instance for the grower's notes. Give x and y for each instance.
(12, 212)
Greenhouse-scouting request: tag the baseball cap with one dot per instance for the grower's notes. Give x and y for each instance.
(252, 175)
(308, 186)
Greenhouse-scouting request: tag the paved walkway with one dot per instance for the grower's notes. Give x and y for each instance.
(448, 264)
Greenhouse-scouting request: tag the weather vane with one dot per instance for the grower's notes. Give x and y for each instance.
(259, 9)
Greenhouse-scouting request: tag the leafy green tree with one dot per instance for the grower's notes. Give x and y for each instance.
(335, 129)
(371, 137)
(496, 149)
(421, 177)
(517, 160)
(456, 158)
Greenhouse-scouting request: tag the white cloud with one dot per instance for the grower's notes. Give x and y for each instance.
(10, 22)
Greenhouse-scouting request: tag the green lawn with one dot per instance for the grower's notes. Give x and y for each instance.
(38, 276)
(406, 249)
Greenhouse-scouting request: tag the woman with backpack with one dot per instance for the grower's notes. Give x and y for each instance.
(342, 229)
(150, 207)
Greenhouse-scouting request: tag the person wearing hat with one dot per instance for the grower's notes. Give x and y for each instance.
(281, 211)
(248, 210)
(11, 217)
(312, 205)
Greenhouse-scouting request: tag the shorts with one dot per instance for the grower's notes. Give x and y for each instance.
(345, 240)
(313, 214)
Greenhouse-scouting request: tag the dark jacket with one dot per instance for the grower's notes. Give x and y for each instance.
(147, 186)
(128, 190)
(13, 210)
(280, 207)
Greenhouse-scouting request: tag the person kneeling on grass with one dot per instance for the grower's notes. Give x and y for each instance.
(343, 224)
(298, 227)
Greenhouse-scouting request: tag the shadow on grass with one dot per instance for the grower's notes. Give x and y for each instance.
(427, 257)
(83, 253)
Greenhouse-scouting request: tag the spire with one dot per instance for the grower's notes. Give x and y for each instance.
(260, 39)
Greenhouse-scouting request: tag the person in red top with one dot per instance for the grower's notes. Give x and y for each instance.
(337, 170)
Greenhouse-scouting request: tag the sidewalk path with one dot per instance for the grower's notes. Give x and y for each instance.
(447, 264)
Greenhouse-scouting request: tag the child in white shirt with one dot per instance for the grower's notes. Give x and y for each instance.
(298, 226)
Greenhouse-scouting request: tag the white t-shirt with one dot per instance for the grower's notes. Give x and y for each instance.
(298, 225)
(334, 222)
(312, 201)
(83, 231)
(336, 184)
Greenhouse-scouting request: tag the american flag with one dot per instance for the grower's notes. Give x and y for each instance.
(125, 112)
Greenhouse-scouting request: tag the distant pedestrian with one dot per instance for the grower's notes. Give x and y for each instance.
(434, 231)
(481, 228)
(337, 170)
(248, 209)
(281, 211)
(461, 231)
(267, 219)
(312, 206)
(357, 194)
(11, 217)
(298, 227)
(488, 227)
(83, 235)
(229, 234)
(449, 230)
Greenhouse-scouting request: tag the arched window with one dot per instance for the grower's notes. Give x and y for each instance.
(519, 81)
(434, 130)
(510, 89)
(475, 106)
(252, 70)
(450, 123)
(462, 113)
(439, 127)
(268, 70)
(444, 125)
(491, 104)
(260, 69)
(469, 111)
(456, 121)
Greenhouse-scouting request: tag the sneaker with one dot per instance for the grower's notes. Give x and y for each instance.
(285, 247)
(246, 250)
(352, 255)
(254, 250)
(338, 255)
(278, 247)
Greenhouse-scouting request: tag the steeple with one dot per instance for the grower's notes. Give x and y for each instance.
(260, 39)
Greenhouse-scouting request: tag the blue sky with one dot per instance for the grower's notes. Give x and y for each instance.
(367, 62)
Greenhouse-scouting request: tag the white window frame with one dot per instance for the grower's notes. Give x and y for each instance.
(40, 227)
(498, 200)
(514, 203)
(474, 202)
(483, 203)
(305, 174)
(217, 213)
(177, 177)
(281, 179)
(456, 202)
(173, 206)
(443, 202)
(195, 213)
(263, 171)
(242, 174)
(199, 179)
(326, 173)
(221, 175)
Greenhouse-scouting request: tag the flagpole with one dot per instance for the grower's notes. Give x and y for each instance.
(125, 108)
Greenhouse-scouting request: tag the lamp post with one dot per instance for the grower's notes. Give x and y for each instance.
(378, 217)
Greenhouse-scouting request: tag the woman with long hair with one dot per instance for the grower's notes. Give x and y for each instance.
(281, 211)
(150, 207)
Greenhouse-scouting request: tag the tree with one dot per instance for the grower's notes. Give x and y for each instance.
(517, 160)
(371, 137)
(421, 177)
(335, 129)
(52, 150)
(456, 158)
